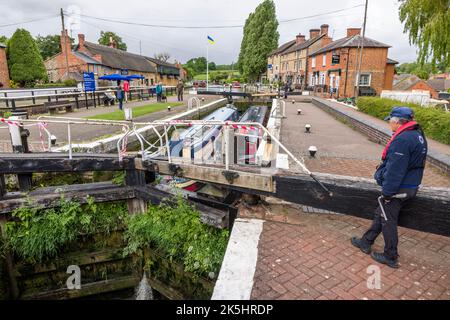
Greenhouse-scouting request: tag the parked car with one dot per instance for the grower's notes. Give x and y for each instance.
(236, 84)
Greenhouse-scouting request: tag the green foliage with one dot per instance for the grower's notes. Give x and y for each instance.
(4, 40)
(196, 65)
(65, 83)
(105, 38)
(119, 178)
(24, 60)
(50, 45)
(422, 71)
(176, 230)
(212, 66)
(435, 122)
(260, 38)
(428, 25)
(40, 234)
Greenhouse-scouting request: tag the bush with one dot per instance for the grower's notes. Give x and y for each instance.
(435, 122)
(176, 230)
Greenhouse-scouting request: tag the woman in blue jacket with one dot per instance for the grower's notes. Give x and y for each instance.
(159, 90)
(399, 175)
(120, 96)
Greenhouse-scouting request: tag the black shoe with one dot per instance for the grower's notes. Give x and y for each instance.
(381, 258)
(359, 244)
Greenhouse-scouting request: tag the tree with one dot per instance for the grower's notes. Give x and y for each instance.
(50, 45)
(24, 60)
(106, 36)
(198, 65)
(163, 56)
(428, 25)
(260, 38)
(212, 66)
(4, 39)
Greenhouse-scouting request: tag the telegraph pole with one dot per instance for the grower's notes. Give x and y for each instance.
(361, 50)
(65, 42)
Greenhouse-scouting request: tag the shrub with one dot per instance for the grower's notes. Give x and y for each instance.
(176, 230)
(435, 122)
(40, 234)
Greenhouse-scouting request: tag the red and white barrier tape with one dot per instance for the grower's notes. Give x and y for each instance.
(41, 126)
(12, 123)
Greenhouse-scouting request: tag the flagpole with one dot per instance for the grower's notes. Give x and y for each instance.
(207, 68)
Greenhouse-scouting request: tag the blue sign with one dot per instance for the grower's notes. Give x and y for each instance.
(269, 66)
(89, 81)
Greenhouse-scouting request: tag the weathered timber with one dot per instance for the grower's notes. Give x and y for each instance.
(2, 186)
(208, 215)
(50, 196)
(135, 178)
(88, 289)
(13, 288)
(54, 162)
(249, 180)
(428, 212)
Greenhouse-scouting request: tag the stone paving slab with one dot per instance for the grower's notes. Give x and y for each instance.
(309, 256)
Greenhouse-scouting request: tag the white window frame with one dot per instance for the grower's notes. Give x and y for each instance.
(364, 84)
(313, 62)
(324, 60)
(322, 78)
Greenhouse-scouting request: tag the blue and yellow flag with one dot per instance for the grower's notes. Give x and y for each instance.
(210, 40)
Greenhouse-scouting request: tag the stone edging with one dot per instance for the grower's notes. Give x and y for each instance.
(378, 134)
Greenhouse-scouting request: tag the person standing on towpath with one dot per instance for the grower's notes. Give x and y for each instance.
(399, 175)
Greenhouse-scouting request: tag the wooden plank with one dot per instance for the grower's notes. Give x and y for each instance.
(249, 180)
(79, 194)
(36, 163)
(87, 289)
(428, 212)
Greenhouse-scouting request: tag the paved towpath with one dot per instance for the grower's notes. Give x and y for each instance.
(341, 150)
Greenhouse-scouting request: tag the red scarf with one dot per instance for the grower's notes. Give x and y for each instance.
(405, 127)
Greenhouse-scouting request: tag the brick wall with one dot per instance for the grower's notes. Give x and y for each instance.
(4, 74)
(377, 134)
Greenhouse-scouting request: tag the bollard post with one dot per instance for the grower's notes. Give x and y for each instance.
(20, 145)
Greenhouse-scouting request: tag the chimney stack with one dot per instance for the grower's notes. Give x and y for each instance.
(314, 33)
(300, 38)
(65, 43)
(81, 40)
(353, 32)
(324, 29)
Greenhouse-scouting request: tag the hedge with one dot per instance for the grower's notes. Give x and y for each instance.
(435, 122)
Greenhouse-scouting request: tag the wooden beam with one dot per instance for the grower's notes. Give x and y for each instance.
(428, 212)
(53, 162)
(50, 197)
(218, 175)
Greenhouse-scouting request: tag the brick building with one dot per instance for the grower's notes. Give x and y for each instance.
(294, 60)
(4, 74)
(410, 82)
(334, 67)
(100, 59)
(274, 61)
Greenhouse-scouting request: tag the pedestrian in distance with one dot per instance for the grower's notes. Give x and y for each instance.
(399, 175)
(126, 89)
(180, 88)
(286, 89)
(120, 96)
(159, 91)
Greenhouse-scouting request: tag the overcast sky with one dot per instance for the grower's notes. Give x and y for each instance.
(382, 24)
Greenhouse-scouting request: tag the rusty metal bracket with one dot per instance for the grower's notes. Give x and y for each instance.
(230, 176)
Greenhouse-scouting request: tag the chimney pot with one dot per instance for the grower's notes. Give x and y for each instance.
(65, 42)
(314, 33)
(324, 29)
(81, 40)
(353, 32)
(300, 38)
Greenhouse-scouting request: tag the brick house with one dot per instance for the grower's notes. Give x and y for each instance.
(4, 73)
(294, 60)
(100, 59)
(274, 61)
(334, 67)
(410, 82)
